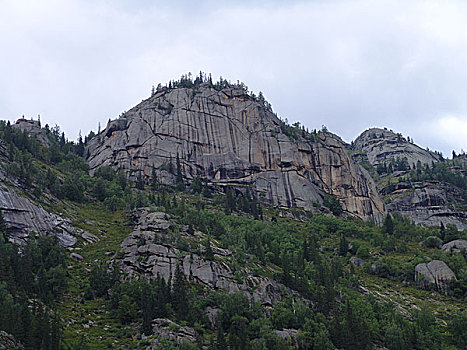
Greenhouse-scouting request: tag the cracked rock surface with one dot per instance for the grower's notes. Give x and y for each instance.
(230, 139)
(148, 251)
(435, 273)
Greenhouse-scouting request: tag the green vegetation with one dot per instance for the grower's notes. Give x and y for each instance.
(49, 301)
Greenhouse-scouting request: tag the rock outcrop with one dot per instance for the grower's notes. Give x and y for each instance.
(3, 152)
(163, 328)
(427, 203)
(382, 146)
(436, 273)
(230, 139)
(23, 217)
(8, 342)
(455, 246)
(150, 250)
(32, 127)
(395, 162)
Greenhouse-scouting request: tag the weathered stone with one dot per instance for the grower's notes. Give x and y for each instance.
(76, 257)
(356, 261)
(382, 146)
(32, 127)
(23, 217)
(290, 335)
(212, 315)
(8, 342)
(435, 273)
(229, 139)
(89, 237)
(424, 202)
(455, 246)
(163, 328)
(427, 203)
(142, 256)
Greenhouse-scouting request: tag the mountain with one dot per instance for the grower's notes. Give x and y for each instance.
(200, 220)
(228, 138)
(418, 183)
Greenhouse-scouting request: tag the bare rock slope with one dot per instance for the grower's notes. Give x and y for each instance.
(150, 250)
(382, 146)
(23, 217)
(397, 161)
(230, 139)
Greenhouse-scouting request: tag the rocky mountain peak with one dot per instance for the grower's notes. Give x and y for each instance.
(232, 138)
(32, 127)
(383, 145)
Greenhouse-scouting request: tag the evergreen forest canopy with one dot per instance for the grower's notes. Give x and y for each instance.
(50, 301)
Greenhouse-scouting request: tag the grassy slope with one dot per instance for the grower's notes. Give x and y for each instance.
(101, 329)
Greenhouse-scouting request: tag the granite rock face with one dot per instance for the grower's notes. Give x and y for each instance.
(435, 273)
(382, 145)
(23, 217)
(425, 202)
(230, 139)
(455, 246)
(32, 127)
(163, 328)
(150, 251)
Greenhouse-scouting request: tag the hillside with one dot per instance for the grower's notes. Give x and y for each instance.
(199, 220)
(421, 185)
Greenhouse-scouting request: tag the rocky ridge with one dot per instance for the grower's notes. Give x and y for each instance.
(148, 251)
(23, 217)
(32, 127)
(230, 139)
(393, 157)
(382, 145)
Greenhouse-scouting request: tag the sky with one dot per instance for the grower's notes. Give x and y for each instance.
(349, 65)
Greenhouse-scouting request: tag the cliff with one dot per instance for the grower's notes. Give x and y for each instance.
(229, 138)
(418, 183)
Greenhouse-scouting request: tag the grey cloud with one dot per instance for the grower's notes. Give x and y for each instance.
(347, 64)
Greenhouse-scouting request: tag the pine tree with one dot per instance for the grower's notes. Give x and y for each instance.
(230, 204)
(221, 343)
(3, 227)
(208, 253)
(388, 225)
(179, 294)
(343, 245)
(179, 176)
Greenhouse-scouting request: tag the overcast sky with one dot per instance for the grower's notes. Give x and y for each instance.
(349, 65)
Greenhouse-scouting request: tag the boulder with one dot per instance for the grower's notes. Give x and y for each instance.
(455, 246)
(76, 257)
(8, 342)
(163, 328)
(436, 273)
(356, 261)
(288, 334)
(89, 237)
